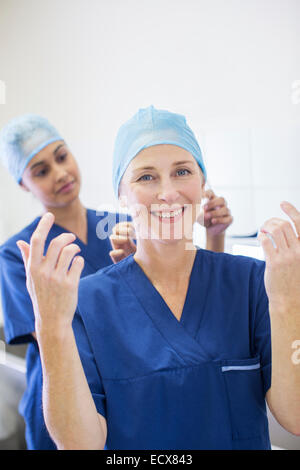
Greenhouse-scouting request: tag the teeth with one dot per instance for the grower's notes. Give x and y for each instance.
(168, 215)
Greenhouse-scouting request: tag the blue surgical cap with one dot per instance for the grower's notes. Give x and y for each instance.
(21, 139)
(148, 127)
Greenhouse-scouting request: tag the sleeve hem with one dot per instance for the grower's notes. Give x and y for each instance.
(267, 376)
(19, 335)
(100, 403)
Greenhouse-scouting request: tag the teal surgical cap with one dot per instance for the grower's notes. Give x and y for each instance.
(21, 139)
(148, 127)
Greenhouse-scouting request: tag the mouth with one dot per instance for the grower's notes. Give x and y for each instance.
(67, 187)
(169, 216)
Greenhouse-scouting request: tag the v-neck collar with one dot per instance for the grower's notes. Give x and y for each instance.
(87, 249)
(180, 334)
(78, 240)
(182, 319)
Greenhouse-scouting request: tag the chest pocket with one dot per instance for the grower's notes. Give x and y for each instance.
(246, 401)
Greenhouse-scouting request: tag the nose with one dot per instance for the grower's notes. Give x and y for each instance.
(61, 173)
(168, 192)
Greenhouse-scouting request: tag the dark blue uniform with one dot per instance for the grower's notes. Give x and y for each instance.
(18, 312)
(197, 383)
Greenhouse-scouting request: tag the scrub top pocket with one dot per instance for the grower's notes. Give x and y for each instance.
(246, 401)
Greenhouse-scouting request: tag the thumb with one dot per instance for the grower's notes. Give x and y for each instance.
(209, 194)
(25, 251)
(117, 255)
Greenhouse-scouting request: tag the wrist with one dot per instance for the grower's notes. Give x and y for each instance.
(215, 242)
(211, 236)
(50, 331)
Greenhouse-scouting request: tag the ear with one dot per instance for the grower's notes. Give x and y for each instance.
(22, 185)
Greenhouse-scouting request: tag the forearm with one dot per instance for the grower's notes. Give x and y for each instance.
(215, 243)
(70, 413)
(284, 395)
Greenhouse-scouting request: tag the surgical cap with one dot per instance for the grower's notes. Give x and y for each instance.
(21, 139)
(148, 127)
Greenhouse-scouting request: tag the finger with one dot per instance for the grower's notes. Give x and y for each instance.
(25, 251)
(209, 194)
(123, 228)
(75, 270)
(55, 247)
(120, 239)
(293, 213)
(288, 231)
(222, 220)
(214, 203)
(218, 212)
(127, 232)
(66, 256)
(117, 242)
(267, 245)
(125, 244)
(273, 227)
(38, 238)
(117, 255)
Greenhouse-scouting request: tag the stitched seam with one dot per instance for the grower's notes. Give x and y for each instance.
(167, 369)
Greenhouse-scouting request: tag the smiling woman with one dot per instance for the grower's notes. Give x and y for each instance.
(166, 185)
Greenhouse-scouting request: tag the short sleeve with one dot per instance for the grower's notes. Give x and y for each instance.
(262, 330)
(17, 307)
(89, 364)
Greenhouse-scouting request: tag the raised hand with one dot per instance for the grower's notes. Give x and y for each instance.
(122, 241)
(281, 246)
(217, 216)
(52, 280)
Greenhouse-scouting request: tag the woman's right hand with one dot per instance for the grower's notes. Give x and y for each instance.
(51, 282)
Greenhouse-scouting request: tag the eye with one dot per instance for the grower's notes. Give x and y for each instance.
(183, 172)
(145, 178)
(41, 173)
(61, 158)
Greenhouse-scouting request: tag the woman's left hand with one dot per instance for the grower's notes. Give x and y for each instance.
(217, 216)
(281, 245)
(282, 273)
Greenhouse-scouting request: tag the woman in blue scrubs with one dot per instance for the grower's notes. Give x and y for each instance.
(40, 161)
(171, 347)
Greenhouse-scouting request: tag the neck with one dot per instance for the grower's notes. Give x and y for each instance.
(72, 217)
(165, 263)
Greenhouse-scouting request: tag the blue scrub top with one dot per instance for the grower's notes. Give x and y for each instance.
(197, 383)
(18, 312)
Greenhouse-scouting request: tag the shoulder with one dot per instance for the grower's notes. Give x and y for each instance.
(100, 295)
(103, 222)
(235, 266)
(105, 278)
(9, 247)
(108, 216)
(233, 260)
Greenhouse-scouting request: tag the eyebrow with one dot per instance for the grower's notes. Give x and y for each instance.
(42, 162)
(183, 162)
